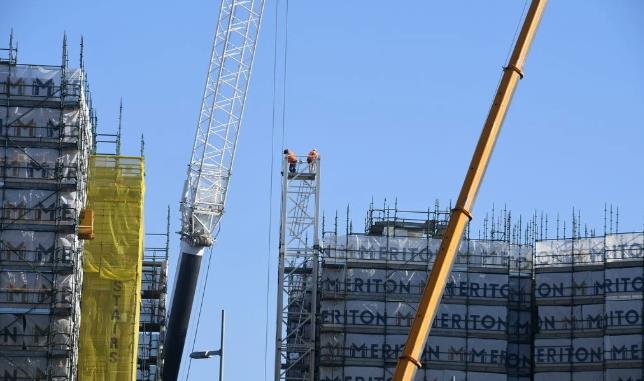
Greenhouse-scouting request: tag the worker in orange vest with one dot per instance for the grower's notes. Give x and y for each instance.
(292, 160)
(312, 159)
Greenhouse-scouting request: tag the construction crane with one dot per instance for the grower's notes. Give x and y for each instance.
(213, 154)
(409, 361)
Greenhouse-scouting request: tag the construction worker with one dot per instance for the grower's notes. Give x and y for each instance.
(292, 160)
(312, 159)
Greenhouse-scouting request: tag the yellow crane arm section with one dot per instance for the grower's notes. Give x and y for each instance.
(412, 352)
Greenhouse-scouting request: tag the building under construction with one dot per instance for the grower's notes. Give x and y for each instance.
(588, 302)
(517, 306)
(153, 305)
(370, 284)
(112, 270)
(46, 129)
(71, 233)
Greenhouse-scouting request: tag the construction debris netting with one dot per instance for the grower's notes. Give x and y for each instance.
(370, 287)
(46, 124)
(112, 270)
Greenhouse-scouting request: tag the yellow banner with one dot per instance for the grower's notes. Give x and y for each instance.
(112, 264)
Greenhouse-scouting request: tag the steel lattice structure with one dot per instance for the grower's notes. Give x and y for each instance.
(213, 153)
(299, 249)
(220, 116)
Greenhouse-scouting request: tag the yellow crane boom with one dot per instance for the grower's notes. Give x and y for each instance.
(412, 352)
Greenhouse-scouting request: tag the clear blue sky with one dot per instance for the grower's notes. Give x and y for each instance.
(393, 95)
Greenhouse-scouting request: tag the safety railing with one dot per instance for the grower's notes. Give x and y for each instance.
(590, 250)
(40, 338)
(61, 298)
(15, 214)
(617, 321)
(453, 356)
(152, 312)
(149, 343)
(375, 288)
(66, 132)
(425, 257)
(39, 171)
(153, 279)
(35, 88)
(37, 257)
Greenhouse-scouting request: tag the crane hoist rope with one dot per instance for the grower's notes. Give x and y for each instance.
(272, 162)
(213, 153)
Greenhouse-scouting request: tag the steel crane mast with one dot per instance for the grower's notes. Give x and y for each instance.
(213, 154)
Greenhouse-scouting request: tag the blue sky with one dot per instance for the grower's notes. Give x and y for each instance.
(393, 95)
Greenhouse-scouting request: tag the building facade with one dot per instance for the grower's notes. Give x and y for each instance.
(370, 285)
(154, 290)
(46, 124)
(588, 298)
(516, 307)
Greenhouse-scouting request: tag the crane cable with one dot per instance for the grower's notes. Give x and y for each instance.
(516, 31)
(270, 198)
(268, 267)
(272, 168)
(284, 79)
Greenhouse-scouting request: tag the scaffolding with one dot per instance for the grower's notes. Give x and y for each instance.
(112, 270)
(369, 287)
(299, 249)
(46, 124)
(589, 306)
(153, 304)
(345, 304)
(572, 307)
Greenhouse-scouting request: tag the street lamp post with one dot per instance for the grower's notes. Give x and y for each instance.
(220, 352)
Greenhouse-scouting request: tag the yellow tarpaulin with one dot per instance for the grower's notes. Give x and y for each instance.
(112, 270)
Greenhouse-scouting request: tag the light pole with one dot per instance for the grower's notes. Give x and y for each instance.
(220, 352)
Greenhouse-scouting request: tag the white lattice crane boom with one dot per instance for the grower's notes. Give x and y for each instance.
(213, 154)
